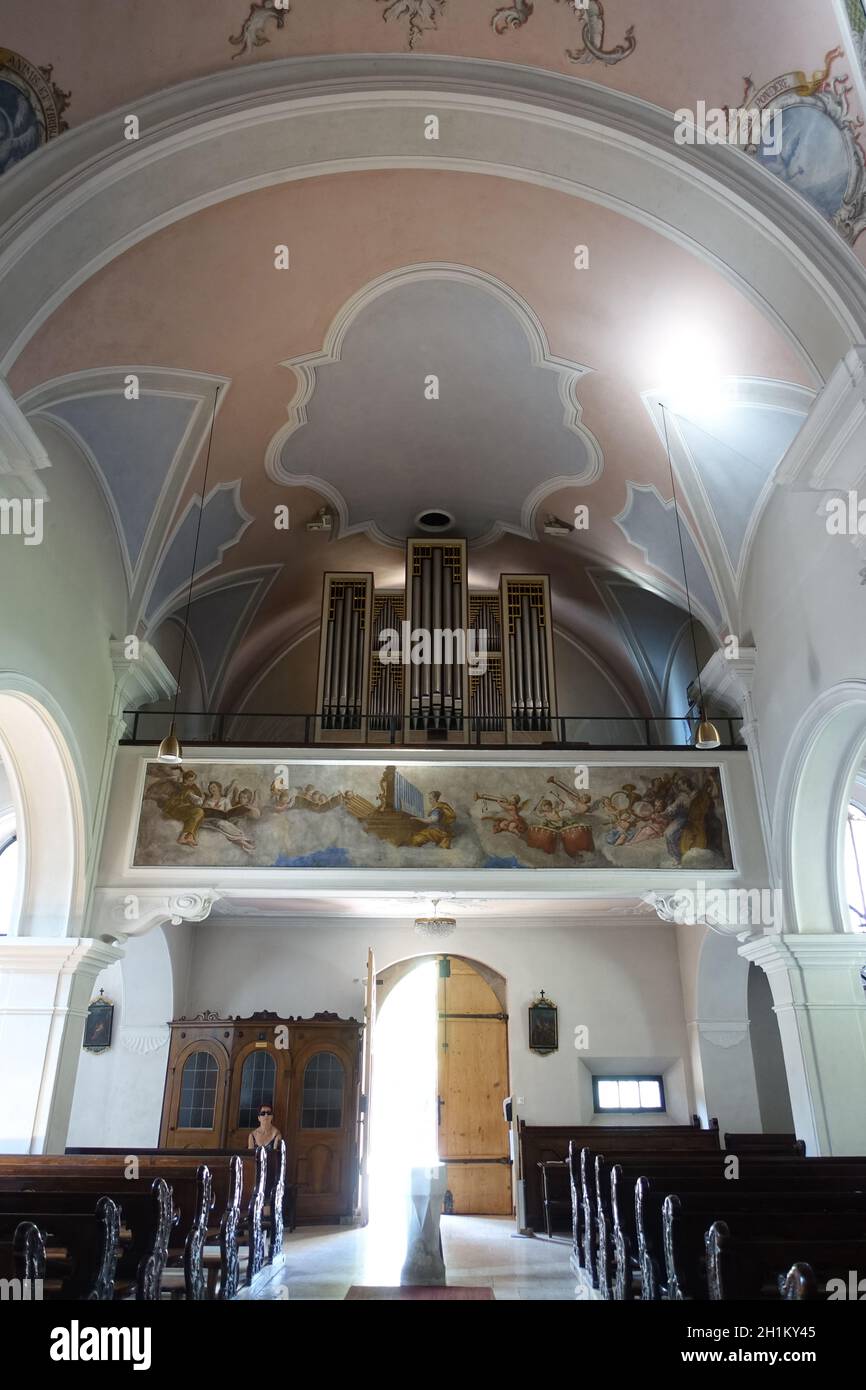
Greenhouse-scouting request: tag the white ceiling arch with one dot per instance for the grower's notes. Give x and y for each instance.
(80, 201)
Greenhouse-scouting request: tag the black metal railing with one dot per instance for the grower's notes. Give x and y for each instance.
(197, 729)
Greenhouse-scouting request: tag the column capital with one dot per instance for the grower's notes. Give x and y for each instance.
(730, 678)
(63, 955)
(815, 950)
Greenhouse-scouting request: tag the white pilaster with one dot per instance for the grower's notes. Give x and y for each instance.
(45, 987)
(819, 1001)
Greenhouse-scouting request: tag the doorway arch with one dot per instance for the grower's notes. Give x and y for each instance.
(462, 1013)
(49, 811)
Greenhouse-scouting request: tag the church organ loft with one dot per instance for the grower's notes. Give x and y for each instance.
(435, 662)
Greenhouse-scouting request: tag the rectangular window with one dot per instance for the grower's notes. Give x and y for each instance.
(631, 1094)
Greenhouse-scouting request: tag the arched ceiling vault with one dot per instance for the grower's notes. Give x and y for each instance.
(407, 262)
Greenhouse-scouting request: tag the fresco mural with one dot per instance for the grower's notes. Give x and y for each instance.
(325, 816)
(422, 16)
(821, 155)
(31, 108)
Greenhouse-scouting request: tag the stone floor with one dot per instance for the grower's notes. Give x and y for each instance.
(321, 1262)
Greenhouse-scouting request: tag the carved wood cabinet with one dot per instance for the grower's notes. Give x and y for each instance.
(221, 1070)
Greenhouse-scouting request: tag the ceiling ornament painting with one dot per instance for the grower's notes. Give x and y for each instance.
(420, 15)
(334, 816)
(820, 154)
(31, 107)
(253, 32)
(590, 16)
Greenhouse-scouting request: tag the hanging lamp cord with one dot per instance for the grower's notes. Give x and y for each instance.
(195, 555)
(683, 559)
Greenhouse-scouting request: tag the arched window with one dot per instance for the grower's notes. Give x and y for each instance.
(8, 880)
(198, 1090)
(258, 1080)
(322, 1106)
(855, 866)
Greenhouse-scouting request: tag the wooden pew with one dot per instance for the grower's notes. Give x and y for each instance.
(79, 1249)
(760, 1267)
(213, 1157)
(540, 1143)
(621, 1244)
(781, 1217)
(223, 1261)
(148, 1214)
(188, 1237)
(645, 1240)
(765, 1143)
(22, 1258)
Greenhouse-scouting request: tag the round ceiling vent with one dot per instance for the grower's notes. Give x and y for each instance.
(436, 519)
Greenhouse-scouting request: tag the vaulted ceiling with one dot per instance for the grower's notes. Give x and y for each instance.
(553, 327)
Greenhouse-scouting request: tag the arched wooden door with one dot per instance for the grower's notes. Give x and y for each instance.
(473, 1082)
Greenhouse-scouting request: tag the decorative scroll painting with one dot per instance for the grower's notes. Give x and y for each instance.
(339, 816)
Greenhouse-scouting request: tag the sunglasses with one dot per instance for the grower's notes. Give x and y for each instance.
(266, 1112)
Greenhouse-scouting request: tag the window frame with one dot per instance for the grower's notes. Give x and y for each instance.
(194, 1052)
(629, 1109)
(322, 1051)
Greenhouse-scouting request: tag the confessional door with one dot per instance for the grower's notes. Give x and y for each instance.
(195, 1094)
(322, 1135)
(473, 1082)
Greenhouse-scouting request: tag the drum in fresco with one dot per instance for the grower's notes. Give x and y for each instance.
(577, 839)
(541, 837)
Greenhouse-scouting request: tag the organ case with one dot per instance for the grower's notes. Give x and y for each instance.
(344, 658)
(530, 683)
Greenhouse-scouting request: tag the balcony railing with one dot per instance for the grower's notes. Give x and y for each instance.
(197, 729)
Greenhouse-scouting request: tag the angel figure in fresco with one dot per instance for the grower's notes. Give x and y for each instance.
(511, 821)
(179, 798)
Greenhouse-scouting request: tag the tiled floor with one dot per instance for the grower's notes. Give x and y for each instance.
(321, 1262)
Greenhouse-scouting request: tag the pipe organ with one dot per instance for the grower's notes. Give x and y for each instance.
(436, 663)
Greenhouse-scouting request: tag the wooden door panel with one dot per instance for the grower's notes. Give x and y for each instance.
(482, 1189)
(473, 1082)
(473, 1073)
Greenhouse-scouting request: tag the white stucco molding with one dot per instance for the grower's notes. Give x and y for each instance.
(22, 454)
(143, 1040)
(799, 954)
(76, 203)
(33, 955)
(730, 678)
(722, 1032)
(141, 680)
(827, 452)
(119, 913)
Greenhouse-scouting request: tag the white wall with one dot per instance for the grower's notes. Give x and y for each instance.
(68, 598)
(118, 1093)
(620, 981)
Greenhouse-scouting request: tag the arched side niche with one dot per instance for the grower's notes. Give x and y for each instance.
(49, 811)
(824, 754)
(86, 200)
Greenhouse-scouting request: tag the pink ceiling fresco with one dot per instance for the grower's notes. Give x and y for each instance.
(109, 53)
(203, 295)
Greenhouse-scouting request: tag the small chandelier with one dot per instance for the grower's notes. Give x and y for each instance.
(435, 925)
